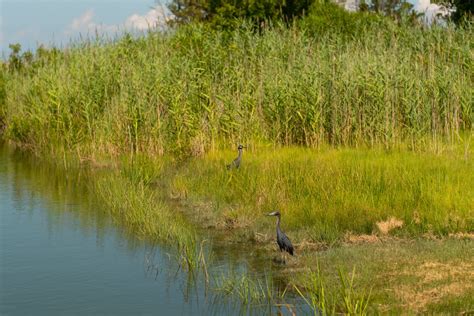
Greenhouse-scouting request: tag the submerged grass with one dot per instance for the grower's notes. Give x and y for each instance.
(248, 290)
(314, 291)
(141, 211)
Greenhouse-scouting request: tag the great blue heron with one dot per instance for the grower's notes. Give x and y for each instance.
(282, 240)
(236, 162)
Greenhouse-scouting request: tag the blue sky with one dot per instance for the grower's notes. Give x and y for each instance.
(31, 22)
(56, 22)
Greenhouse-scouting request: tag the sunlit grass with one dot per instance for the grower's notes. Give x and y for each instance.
(324, 194)
(414, 276)
(345, 300)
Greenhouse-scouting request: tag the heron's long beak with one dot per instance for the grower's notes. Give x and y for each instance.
(271, 214)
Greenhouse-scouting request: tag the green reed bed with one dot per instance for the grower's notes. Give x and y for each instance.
(190, 89)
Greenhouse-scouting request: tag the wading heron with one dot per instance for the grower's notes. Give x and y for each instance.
(282, 240)
(236, 162)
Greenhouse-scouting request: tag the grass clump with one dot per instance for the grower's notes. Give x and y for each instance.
(248, 290)
(323, 302)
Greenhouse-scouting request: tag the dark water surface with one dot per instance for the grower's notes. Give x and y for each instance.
(61, 256)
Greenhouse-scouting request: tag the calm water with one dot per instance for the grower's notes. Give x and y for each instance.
(61, 255)
(57, 256)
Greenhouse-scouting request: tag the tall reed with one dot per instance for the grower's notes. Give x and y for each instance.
(188, 90)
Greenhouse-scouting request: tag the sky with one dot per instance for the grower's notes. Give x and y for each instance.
(57, 22)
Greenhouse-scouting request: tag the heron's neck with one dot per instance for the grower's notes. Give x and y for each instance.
(278, 221)
(240, 152)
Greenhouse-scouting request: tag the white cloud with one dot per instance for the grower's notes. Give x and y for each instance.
(432, 11)
(154, 18)
(86, 24)
(83, 22)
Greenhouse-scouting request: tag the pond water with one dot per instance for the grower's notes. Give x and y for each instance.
(59, 254)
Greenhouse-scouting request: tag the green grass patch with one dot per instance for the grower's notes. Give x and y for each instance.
(324, 194)
(414, 276)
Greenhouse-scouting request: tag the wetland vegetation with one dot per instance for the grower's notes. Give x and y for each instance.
(360, 133)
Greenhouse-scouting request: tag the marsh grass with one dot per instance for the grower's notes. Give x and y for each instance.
(313, 290)
(259, 290)
(143, 212)
(128, 193)
(401, 276)
(324, 302)
(324, 194)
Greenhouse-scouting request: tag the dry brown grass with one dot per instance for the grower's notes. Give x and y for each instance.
(462, 236)
(350, 238)
(384, 227)
(437, 281)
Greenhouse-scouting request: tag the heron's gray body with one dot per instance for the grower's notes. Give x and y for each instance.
(282, 240)
(236, 162)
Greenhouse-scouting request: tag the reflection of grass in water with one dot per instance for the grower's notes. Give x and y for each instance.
(250, 291)
(261, 291)
(141, 211)
(123, 196)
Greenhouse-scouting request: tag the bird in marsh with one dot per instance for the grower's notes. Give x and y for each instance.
(282, 240)
(236, 162)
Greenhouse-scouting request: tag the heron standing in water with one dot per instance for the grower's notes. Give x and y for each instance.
(282, 240)
(236, 162)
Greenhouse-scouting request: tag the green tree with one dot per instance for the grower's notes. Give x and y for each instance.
(14, 60)
(397, 9)
(464, 10)
(223, 12)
